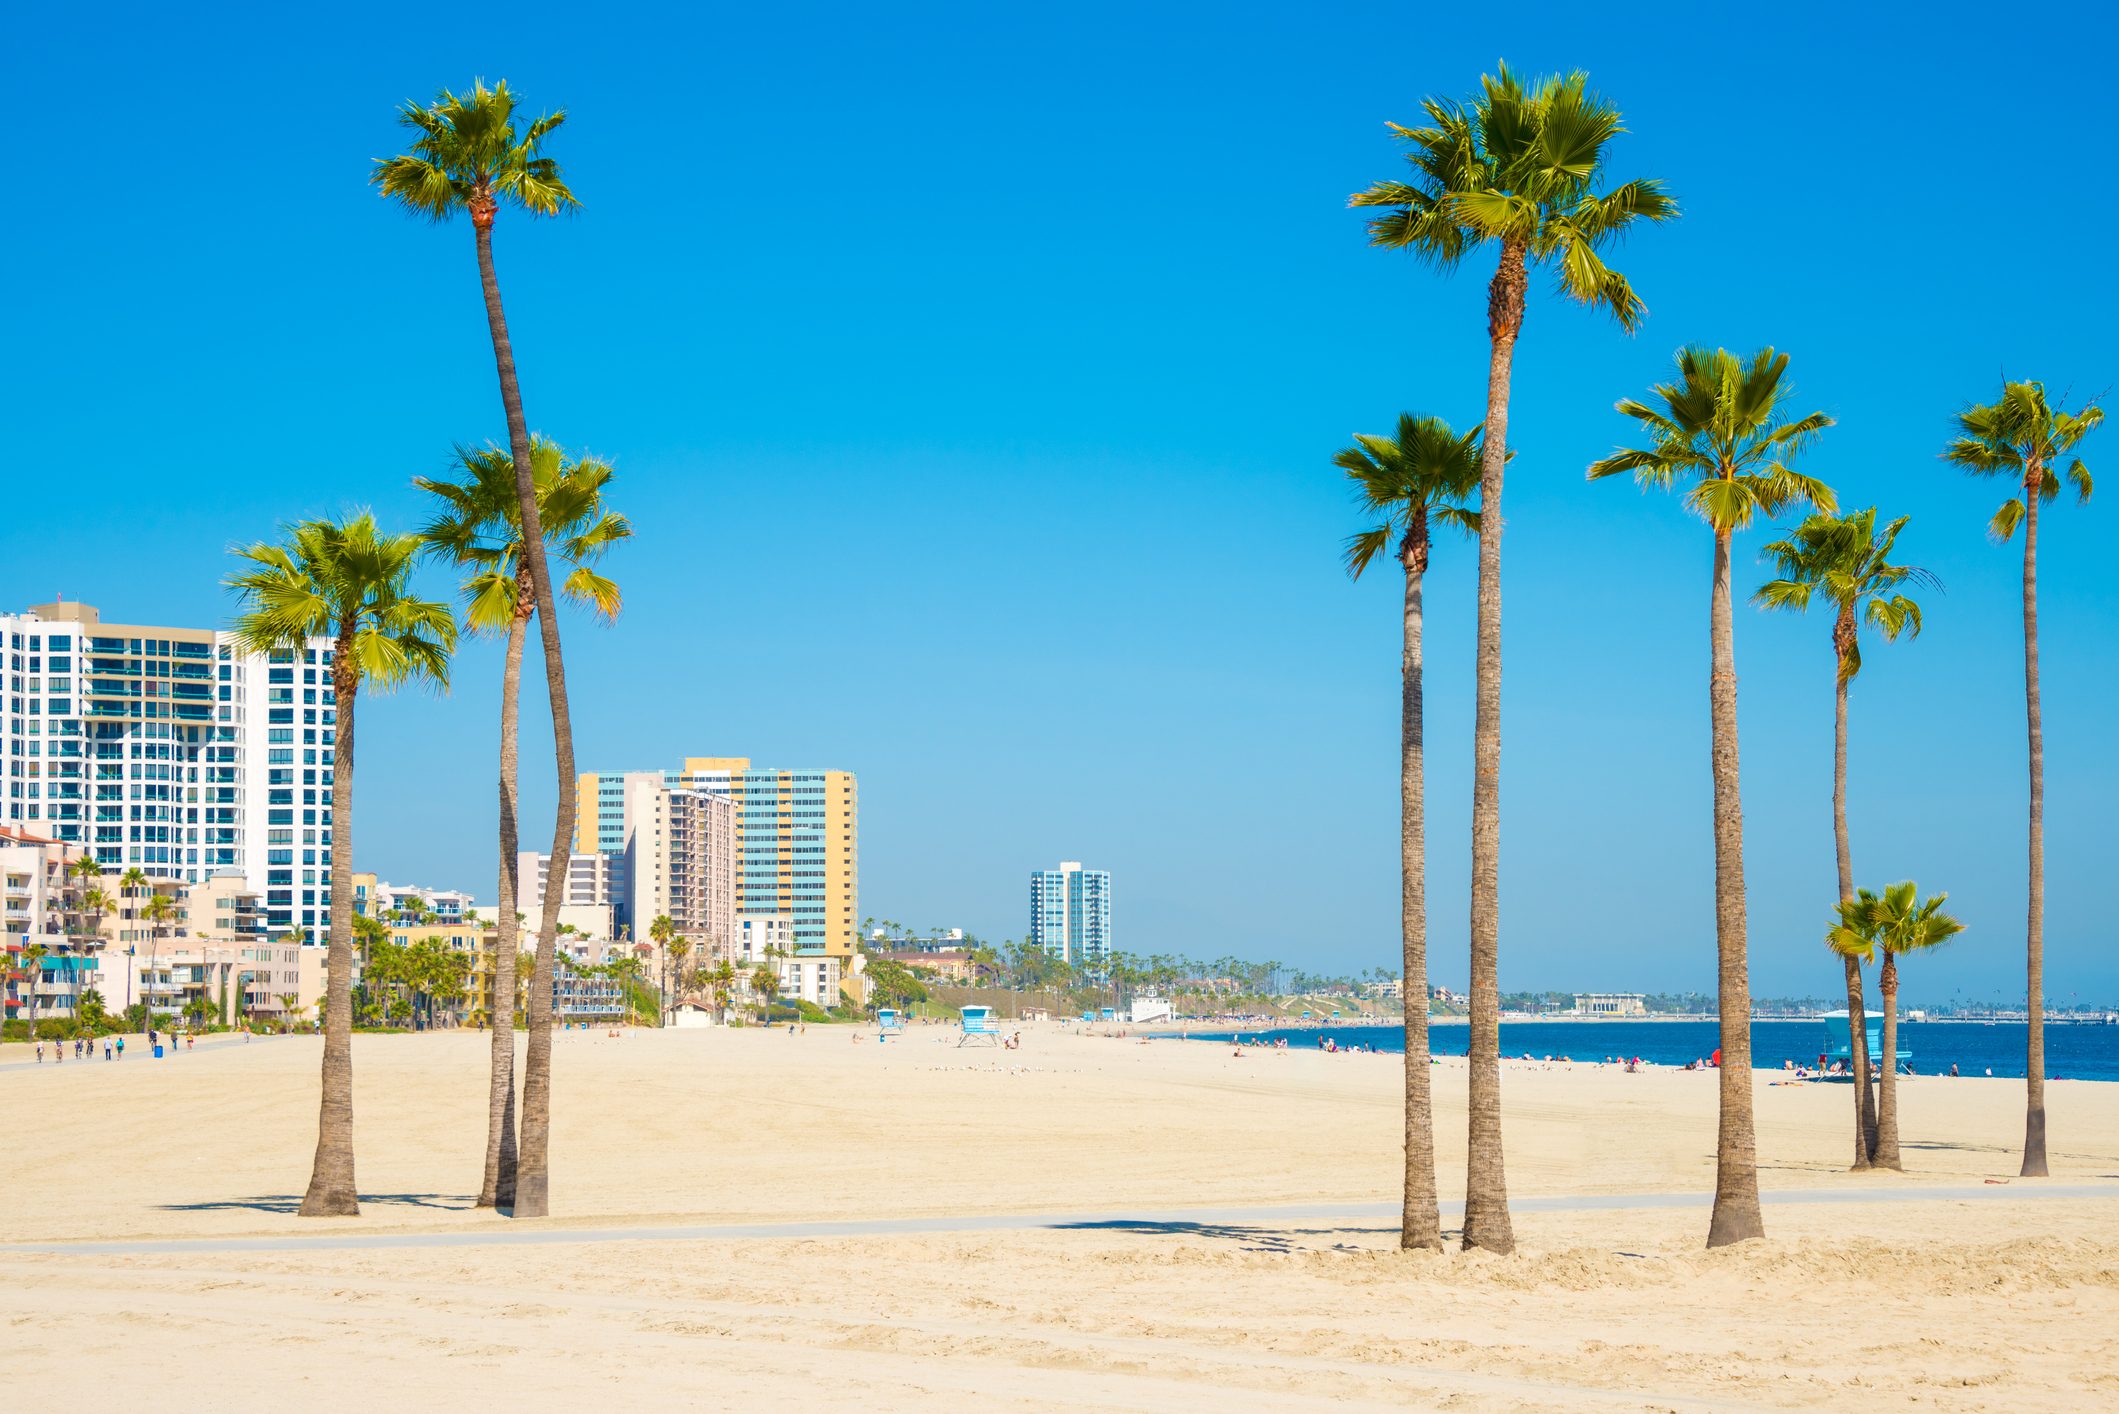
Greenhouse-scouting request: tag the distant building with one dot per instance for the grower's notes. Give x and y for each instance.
(796, 833)
(1610, 1004)
(1070, 915)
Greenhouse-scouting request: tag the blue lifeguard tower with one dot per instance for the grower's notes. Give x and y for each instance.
(1838, 1049)
(980, 1028)
(891, 1020)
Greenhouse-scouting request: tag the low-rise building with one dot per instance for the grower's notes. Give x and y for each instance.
(1610, 1004)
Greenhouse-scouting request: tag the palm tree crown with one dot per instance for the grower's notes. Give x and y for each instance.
(345, 580)
(480, 528)
(468, 157)
(1425, 471)
(1896, 921)
(1720, 421)
(1520, 165)
(2022, 436)
(1848, 560)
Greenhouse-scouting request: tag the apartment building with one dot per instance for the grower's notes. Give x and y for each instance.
(170, 750)
(1070, 914)
(820, 978)
(680, 861)
(797, 837)
(377, 898)
(589, 879)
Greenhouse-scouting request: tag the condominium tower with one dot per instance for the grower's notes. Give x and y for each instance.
(173, 751)
(797, 837)
(1070, 914)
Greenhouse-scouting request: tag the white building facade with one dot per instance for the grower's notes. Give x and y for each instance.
(172, 751)
(1070, 915)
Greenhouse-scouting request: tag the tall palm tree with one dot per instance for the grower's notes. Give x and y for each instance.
(479, 528)
(468, 156)
(1893, 923)
(1719, 426)
(347, 582)
(1519, 167)
(2023, 437)
(1848, 560)
(1423, 474)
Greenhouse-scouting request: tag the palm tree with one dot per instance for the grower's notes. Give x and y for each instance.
(724, 979)
(468, 157)
(159, 912)
(2023, 437)
(660, 932)
(1720, 426)
(1425, 473)
(1849, 560)
(479, 529)
(1518, 167)
(1894, 923)
(347, 582)
(31, 961)
(766, 979)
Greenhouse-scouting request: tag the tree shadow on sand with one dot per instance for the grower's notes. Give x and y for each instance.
(1250, 1239)
(289, 1203)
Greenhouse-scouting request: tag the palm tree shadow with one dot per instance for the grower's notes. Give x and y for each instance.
(1250, 1239)
(288, 1203)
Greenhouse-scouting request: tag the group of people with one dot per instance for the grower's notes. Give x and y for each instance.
(84, 1047)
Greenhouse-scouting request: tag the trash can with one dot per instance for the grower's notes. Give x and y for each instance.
(158, 1051)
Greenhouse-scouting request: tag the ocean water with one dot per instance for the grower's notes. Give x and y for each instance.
(1975, 1048)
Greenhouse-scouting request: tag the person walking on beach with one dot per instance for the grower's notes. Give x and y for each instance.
(40, 1052)
(106, 1048)
(121, 1048)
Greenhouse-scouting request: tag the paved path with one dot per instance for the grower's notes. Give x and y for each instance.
(1172, 1221)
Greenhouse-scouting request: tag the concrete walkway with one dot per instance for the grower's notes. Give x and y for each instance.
(1172, 1221)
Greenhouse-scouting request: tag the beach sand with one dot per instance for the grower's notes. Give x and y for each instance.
(2002, 1300)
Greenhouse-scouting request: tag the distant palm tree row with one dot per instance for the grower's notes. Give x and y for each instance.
(509, 513)
(1520, 167)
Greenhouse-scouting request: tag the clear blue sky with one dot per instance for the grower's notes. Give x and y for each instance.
(972, 374)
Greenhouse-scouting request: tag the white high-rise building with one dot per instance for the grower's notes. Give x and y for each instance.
(1070, 914)
(172, 751)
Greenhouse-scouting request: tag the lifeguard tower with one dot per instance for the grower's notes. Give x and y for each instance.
(1837, 1049)
(980, 1027)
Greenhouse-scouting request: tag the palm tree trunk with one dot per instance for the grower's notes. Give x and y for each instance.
(1486, 1220)
(1857, 1021)
(1736, 1211)
(533, 1174)
(1422, 1219)
(2034, 930)
(1887, 1101)
(332, 1192)
(498, 1188)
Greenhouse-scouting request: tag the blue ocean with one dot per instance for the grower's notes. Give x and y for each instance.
(2072, 1052)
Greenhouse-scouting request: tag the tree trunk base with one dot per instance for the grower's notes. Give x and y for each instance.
(1489, 1233)
(532, 1196)
(1734, 1222)
(2034, 1146)
(330, 1201)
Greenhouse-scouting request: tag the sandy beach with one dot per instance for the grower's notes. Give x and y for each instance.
(1090, 1220)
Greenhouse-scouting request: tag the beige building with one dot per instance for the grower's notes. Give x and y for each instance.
(680, 861)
